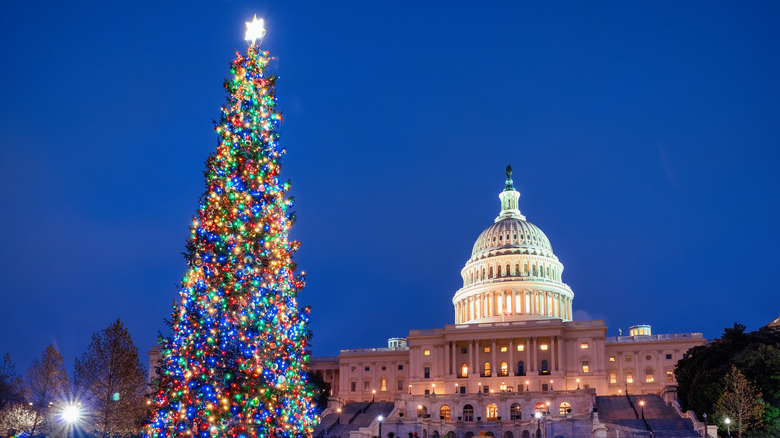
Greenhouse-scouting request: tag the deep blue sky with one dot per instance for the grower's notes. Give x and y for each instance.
(645, 138)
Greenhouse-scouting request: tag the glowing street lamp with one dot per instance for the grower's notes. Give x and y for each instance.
(728, 426)
(338, 418)
(380, 418)
(434, 389)
(642, 404)
(538, 416)
(71, 414)
(578, 383)
(373, 394)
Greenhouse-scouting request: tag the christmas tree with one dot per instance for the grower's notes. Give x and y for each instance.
(234, 365)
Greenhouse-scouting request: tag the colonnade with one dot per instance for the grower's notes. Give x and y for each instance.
(513, 302)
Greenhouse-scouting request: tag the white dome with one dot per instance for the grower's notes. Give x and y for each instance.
(512, 273)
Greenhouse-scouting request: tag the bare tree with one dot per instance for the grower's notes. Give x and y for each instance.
(45, 384)
(10, 383)
(111, 379)
(740, 402)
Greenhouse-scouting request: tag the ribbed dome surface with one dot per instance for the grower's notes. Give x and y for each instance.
(513, 235)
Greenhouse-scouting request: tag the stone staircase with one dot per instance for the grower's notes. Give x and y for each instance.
(353, 416)
(625, 414)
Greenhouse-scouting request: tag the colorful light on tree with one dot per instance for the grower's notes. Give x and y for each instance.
(235, 361)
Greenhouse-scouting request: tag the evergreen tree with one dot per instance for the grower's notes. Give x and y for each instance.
(45, 384)
(110, 379)
(235, 362)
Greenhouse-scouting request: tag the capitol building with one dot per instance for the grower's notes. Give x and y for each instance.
(513, 364)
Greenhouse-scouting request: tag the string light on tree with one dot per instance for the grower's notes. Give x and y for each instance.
(234, 365)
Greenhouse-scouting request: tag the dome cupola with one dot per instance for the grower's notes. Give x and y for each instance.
(512, 273)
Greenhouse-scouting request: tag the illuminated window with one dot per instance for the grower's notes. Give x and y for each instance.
(629, 378)
(612, 358)
(491, 412)
(543, 347)
(628, 358)
(649, 375)
(383, 384)
(520, 347)
(584, 345)
(564, 408)
(464, 370)
(444, 413)
(585, 366)
(669, 376)
(540, 407)
(468, 413)
(427, 353)
(612, 377)
(487, 369)
(515, 412)
(487, 349)
(504, 369)
(503, 349)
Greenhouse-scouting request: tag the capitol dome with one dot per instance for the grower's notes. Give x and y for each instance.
(512, 273)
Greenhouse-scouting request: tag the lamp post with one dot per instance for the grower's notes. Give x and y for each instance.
(433, 390)
(578, 383)
(338, 413)
(551, 385)
(728, 426)
(526, 386)
(642, 404)
(373, 395)
(548, 407)
(380, 418)
(410, 389)
(705, 424)
(419, 410)
(538, 416)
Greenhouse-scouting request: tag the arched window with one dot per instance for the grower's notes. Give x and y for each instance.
(521, 368)
(564, 409)
(483, 274)
(491, 412)
(516, 412)
(517, 268)
(649, 375)
(540, 407)
(468, 413)
(504, 369)
(487, 369)
(444, 413)
(422, 411)
(464, 370)
(498, 271)
(383, 383)
(490, 272)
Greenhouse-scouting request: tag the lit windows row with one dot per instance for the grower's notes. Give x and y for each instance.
(491, 411)
(382, 385)
(649, 376)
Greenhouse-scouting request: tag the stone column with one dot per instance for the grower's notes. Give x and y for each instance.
(534, 346)
(447, 368)
(511, 356)
(553, 351)
(527, 355)
(494, 366)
